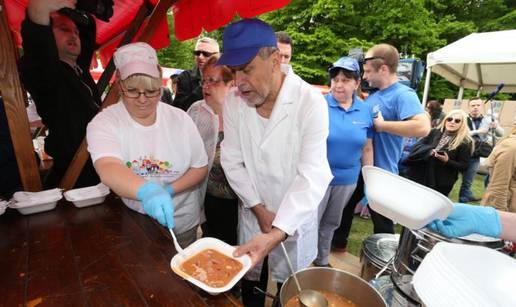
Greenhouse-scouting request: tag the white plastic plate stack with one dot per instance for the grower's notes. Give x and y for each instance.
(404, 201)
(465, 275)
(34, 202)
(221, 247)
(87, 196)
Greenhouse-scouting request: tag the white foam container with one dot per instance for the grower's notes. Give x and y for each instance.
(35, 202)
(465, 275)
(88, 196)
(402, 200)
(209, 243)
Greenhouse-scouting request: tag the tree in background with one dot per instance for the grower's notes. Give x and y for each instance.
(324, 30)
(177, 54)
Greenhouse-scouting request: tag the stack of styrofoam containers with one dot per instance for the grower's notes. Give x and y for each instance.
(465, 275)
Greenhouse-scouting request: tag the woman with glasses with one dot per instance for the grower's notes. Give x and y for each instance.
(437, 159)
(146, 151)
(220, 202)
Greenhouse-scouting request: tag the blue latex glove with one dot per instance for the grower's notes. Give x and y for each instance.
(468, 219)
(157, 203)
(170, 189)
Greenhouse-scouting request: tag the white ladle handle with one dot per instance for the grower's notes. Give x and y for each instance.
(176, 244)
(290, 266)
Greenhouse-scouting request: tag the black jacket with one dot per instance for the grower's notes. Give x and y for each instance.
(188, 89)
(65, 100)
(435, 174)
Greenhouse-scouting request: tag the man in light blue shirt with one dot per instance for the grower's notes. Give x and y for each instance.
(400, 114)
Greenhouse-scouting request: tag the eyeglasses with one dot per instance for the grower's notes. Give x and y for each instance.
(134, 93)
(373, 58)
(456, 120)
(210, 81)
(205, 54)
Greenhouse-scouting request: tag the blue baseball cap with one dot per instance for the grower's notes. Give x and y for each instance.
(243, 39)
(347, 63)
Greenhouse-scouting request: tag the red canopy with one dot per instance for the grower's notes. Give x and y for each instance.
(190, 17)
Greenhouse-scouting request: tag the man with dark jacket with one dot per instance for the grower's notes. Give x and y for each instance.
(55, 70)
(189, 81)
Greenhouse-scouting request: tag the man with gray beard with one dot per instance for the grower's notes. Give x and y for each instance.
(273, 155)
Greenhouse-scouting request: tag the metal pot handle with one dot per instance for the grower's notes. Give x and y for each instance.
(385, 267)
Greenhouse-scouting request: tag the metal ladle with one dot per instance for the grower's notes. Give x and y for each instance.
(307, 297)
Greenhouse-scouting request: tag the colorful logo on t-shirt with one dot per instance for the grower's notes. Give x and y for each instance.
(145, 166)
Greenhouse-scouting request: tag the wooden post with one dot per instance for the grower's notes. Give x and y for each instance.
(14, 102)
(81, 156)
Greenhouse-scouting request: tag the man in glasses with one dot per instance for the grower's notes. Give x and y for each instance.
(400, 114)
(55, 70)
(273, 155)
(189, 88)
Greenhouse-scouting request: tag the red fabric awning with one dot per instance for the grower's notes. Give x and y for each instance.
(190, 17)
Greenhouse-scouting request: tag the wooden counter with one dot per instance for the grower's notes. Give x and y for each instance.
(104, 255)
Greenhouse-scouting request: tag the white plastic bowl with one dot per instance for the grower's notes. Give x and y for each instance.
(465, 275)
(209, 243)
(88, 196)
(31, 207)
(402, 200)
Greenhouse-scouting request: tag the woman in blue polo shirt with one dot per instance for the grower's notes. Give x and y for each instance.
(349, 148)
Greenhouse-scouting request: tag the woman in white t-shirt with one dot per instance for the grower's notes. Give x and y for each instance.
(146, 151)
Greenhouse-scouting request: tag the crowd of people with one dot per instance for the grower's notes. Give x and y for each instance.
(249, 151)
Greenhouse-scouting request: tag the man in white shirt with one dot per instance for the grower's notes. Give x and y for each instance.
(273, 154)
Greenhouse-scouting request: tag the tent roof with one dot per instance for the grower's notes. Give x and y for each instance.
(190, 18)
(482, 60)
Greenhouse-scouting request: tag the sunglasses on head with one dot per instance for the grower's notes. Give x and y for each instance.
(206, 54)
(456, 120)
(373, 58)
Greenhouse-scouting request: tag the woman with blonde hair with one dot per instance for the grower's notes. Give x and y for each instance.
(443, 153)
(148, 152)
(501, 192)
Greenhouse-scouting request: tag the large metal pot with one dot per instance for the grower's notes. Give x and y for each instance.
(336, 281)
(413, 247)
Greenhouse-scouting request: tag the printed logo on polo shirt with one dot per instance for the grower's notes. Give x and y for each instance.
(149, 166)
(357, 122)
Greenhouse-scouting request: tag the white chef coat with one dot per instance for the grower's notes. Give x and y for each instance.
(160, 153)
(281, 163)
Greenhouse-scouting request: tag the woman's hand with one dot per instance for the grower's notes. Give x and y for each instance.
(441, 156)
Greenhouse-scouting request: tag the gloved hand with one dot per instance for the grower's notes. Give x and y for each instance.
(157, 203)
(170, 189)
(467, 219)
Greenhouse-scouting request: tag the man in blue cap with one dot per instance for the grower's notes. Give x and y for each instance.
(273, 155)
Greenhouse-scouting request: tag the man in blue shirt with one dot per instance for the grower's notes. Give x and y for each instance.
(400, 114)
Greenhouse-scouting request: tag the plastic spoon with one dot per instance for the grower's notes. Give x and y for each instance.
(179, 249)
(307, 297)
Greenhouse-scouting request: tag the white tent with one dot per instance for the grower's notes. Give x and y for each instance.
(478, 61)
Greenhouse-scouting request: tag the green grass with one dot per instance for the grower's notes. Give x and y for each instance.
(362, 228)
